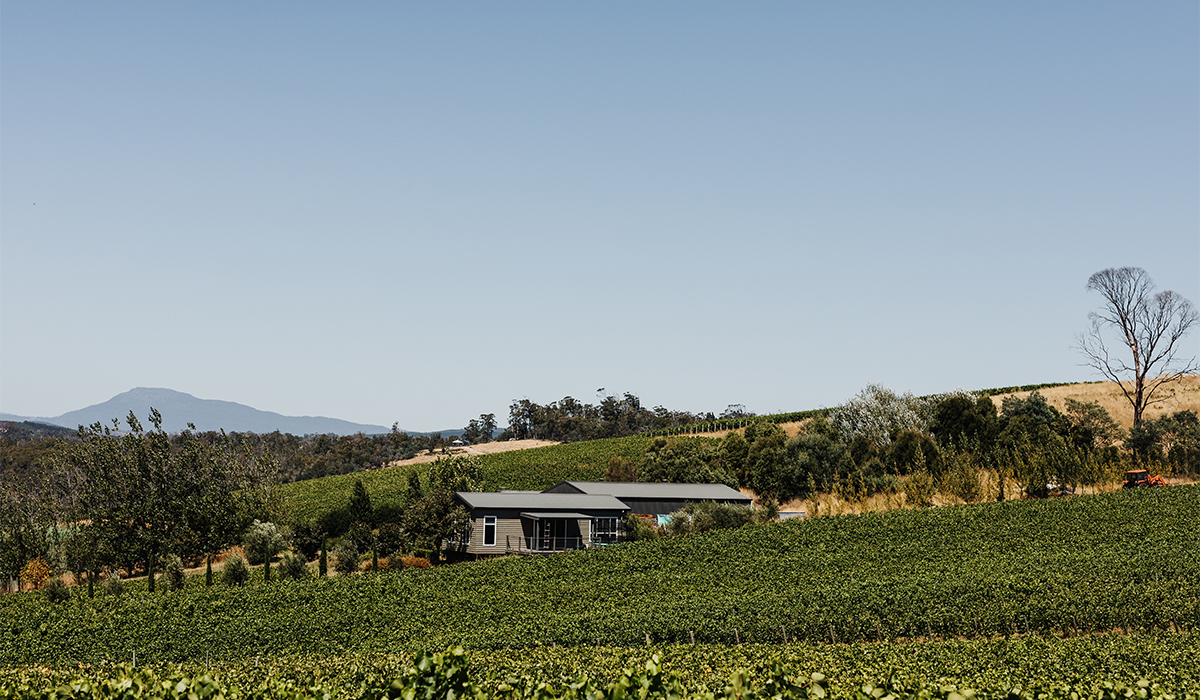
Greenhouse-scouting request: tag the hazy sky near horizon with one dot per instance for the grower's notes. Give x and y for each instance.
(416, 213)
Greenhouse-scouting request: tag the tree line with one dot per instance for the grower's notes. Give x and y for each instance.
(571, 420)
(880, 441)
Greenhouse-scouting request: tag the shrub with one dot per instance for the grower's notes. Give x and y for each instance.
(306, 538)
(345, 557)
(414, 562)
(113, 583)
(708, 515)
(36, 572)
(55, 591)
(919, 490)
(262, 541)
(174, 574)
(360, 532)
(293, 566)
(639, 528)
(391, 539)
(235, 571)
(962, 475)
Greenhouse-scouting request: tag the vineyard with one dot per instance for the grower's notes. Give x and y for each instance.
(534, 469)
(1123, 562)
(1010, 669)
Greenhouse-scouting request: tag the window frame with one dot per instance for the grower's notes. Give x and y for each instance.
(606, 536)
(489, 521)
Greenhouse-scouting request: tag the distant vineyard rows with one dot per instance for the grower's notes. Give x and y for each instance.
(1122, 561)
(533, 469)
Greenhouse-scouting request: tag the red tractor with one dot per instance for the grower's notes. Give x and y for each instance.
(1140, 478)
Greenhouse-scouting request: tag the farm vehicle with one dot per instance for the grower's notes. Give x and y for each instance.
(1140, 478)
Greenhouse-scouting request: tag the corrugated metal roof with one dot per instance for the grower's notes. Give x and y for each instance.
(541, 501)
(659, 490)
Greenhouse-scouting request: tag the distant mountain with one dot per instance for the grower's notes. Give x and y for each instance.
(178, 409)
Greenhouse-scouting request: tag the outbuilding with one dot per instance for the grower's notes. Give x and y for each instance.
(654, 498)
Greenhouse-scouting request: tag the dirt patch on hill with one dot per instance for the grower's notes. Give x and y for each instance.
(487, 448)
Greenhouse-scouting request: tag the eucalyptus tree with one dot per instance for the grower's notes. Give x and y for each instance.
(1148, 329)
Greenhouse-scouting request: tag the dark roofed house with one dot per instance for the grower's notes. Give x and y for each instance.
(504, 523)
(655, 498)
(573, 514)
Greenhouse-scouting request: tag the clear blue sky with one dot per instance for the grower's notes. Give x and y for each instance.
(420, 212)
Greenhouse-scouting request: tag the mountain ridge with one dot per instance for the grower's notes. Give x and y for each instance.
(178, 409)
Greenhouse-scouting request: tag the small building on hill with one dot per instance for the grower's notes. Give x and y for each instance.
(573, 514)
(515, 522)
(655, 498)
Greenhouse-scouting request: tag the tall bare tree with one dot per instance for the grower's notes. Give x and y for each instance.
(1150, 326)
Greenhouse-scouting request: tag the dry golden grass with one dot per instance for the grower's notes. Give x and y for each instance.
(833, 504)
(1183, 396)
(487, 448)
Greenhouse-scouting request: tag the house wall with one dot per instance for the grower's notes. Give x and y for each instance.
(513, 532)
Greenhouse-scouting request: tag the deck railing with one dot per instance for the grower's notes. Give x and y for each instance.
(550, 544)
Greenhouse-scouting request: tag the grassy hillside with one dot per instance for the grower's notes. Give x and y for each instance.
(1184, 396)
(1124, 560)
(534, 469)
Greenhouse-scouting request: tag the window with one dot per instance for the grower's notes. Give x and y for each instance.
(604, 530)
(489, 531)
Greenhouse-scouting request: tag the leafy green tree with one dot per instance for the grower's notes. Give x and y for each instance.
(392, 539)
(816, 459)
(704, 516)
(174, 573)
(904, 458)
(764, 468)
(1171, 439)
(732, 455)
(145, 497)
(620, 469)
(1091, 425)
(480, 430)
(683, 461)
(262, 541)
(878, 413)
(27, 527)
(235, 571)
(345, 557)
(360, 509)
(437, 516)
(960, 419)
(293, 566)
